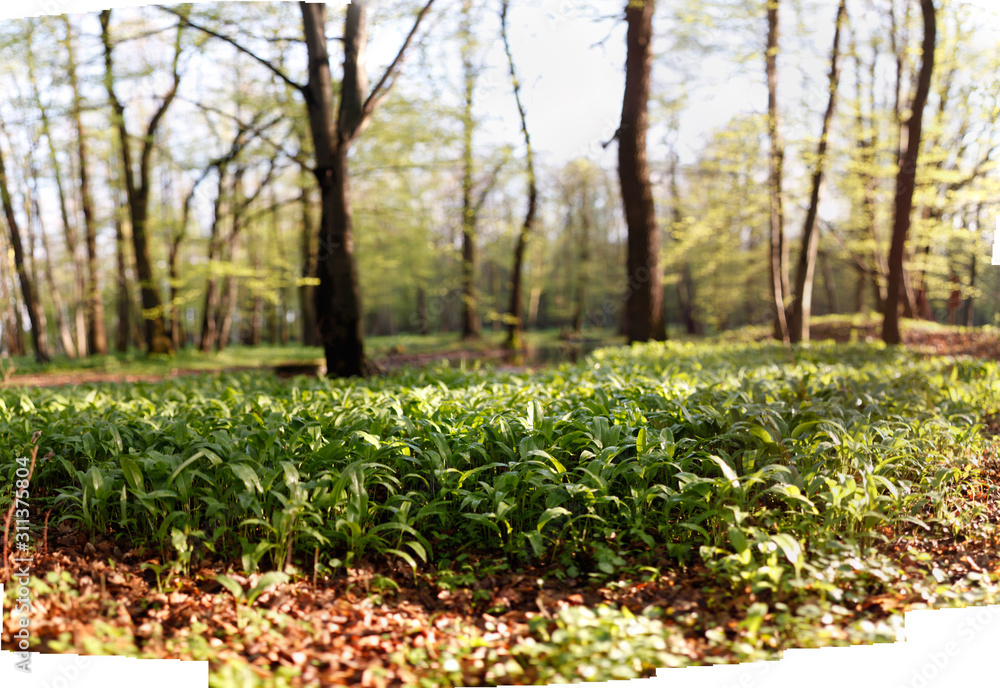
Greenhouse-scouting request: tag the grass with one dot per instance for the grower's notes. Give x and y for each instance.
(239, 356)
(784, 480)
(136, 362)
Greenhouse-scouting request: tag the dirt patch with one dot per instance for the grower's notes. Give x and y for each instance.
(59, 379)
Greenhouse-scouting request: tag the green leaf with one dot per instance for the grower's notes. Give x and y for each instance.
(789, 546)
(728, 471)
(640, 441)
(267, 580)
(802, 427)
(247, 475)
(550, 514)
(231, 585)
(131, 471)
(89, 445)
(738, 539)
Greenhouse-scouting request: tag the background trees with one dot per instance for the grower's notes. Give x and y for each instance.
(179, 205)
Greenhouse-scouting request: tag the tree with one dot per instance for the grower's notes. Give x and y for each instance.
(337, 297)
(515, 309)
(471, 327)
(802, 303)
(31, 305)
(778, 263)
(906, 176)
(97, 338)
(71, 346)
(644, 293)
(137, 190)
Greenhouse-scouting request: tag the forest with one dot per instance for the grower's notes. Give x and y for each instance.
(468, 342)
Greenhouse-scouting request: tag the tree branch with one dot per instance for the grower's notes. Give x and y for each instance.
(488, 185)
(154, 123)
(381, 89)
(280, 74)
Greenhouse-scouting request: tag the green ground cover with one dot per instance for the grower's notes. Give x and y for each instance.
(784, 479)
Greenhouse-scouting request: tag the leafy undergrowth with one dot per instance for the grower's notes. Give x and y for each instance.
(654, 506)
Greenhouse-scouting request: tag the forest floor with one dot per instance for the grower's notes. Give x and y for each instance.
(469, 618)
(357, 628)
(922, 337)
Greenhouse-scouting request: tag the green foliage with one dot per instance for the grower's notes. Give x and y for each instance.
(671, 451)
(599, 645)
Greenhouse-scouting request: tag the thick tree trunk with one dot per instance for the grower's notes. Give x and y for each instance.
(643, 314)
(804, 275)
(906, 178)
(337, 298)
(138, 191)
(778, 263)
(31, 305)
(338, 295)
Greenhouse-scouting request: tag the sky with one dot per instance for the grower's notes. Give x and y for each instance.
(572, 71)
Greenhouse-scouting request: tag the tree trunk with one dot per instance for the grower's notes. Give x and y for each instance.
(337, 298)
(257, 321)
(138, 191)
(123, 298)
(586, 229)
(471, 327)
(226, 311)
(176, 330)
(860, 289)
(423, 326)
(828, 283)
(906, 178)
(804, 275)
(306, 307)
(31, 305)
(207, 340)
(867, 143)
(70, 345)
(97, 336)
(59, 308)
(970, 304)
(778, 263)
(643, 313)
(515, 309)
(9, 317)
